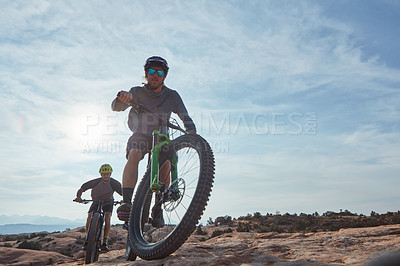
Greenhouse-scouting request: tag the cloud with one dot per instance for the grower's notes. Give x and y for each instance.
(250, 73)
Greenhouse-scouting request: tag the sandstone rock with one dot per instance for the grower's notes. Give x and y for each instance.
(22, 257)
(355, 246)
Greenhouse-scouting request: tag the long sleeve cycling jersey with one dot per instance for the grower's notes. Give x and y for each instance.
(163, 103)
(102, 191)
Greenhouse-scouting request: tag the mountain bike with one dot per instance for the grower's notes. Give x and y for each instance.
(93, 237)
(182, 198)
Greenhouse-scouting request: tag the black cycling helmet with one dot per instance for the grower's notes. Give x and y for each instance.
(156, 61)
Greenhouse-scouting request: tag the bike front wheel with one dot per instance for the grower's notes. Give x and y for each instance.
(182, 211)
(129, 255)
(92, 251)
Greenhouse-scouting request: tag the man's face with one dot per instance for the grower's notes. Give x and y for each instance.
(105, 177)
(155, 81)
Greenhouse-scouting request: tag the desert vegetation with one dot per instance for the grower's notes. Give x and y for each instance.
(292, 223)
(328, 221)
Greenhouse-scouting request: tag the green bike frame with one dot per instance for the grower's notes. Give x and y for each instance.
(160, 140)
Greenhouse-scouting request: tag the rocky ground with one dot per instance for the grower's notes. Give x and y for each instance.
(352, 246)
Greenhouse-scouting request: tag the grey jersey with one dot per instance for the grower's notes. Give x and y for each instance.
(102, 191)
(163, 103)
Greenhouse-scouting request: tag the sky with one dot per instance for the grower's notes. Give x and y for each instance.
(299, 100)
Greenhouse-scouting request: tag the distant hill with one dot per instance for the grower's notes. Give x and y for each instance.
(18, 224)
(36, 219)
(8, 229)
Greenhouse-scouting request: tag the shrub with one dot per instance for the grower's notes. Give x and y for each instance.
(30, 245)
(199, 231)
(41, 235)
(80, 241)
(248, 217)
(216, 233)
(67, 252)
(220, 232)
(257, 215)
(9, 238)
(225, 220)
(243, 227)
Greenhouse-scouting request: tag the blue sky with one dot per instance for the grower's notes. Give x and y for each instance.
(299, 99)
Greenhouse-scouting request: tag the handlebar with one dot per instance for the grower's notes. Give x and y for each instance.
(161, 120)
(86, 201)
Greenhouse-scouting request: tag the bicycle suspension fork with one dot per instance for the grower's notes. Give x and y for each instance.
(159, 140)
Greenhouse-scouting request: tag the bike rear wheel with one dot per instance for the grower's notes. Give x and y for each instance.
(92, 251)
(195, 169)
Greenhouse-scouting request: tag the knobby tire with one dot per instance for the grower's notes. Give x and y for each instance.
(129, 255)
(92, 251)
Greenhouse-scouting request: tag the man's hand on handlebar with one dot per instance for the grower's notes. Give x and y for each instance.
(78, 200)
(125, 97)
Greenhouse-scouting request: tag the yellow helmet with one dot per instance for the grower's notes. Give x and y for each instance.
(105, 169)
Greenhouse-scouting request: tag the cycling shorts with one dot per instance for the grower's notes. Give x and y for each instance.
(107, 207)
(139, 141)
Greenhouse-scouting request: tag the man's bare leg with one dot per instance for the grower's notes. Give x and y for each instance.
(130, 174)
(165, 173)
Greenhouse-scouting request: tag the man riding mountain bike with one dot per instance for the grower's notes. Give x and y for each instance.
(103, 189)
(155, 96)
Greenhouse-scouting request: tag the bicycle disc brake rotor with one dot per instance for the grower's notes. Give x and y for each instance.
(175, 196)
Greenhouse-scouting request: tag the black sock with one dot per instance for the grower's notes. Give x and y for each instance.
(127, 193)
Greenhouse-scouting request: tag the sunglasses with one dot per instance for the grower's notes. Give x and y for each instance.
(160, 73)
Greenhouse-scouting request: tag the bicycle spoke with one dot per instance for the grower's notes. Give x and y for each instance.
(189, 159)
(177, 215)
(182, 173)
(186, 165)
